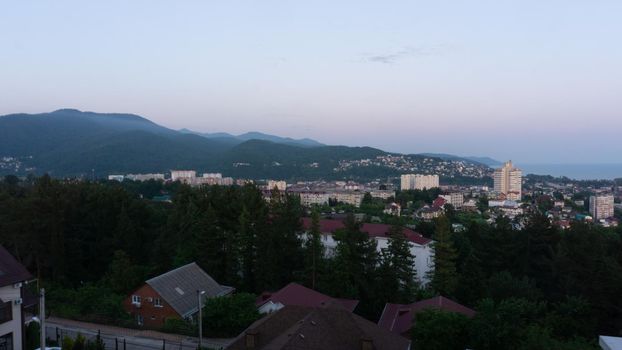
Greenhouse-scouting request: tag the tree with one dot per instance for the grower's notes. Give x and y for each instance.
(355, 267)
(227, 316)
(440, 330)
(444, 276)
(315, 258)
(398, 268)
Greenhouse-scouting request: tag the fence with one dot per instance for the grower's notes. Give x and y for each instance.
(125, 343)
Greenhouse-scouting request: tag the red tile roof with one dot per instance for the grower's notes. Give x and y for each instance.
(373, 230)
(399, 318)
(325, 328)
(296, 294)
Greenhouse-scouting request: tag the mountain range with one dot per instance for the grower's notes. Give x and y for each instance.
(69, 142)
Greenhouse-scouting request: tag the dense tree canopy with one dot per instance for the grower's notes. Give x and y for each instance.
(85, 240)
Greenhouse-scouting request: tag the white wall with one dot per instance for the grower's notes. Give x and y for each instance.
(424, 254)
(10, 294)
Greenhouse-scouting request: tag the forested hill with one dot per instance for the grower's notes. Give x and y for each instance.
(69, 142)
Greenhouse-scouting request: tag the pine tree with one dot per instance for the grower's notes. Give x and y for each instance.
(355, 267)
(398, 268)
(444, 276)
(315, 259)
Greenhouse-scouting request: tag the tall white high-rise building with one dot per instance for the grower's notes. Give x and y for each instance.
(419, 182)
(601, 207)
(508, 181)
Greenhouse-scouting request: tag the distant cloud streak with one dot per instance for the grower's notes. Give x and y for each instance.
(406, 52)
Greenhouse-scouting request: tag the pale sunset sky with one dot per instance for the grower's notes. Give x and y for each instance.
(528, 80)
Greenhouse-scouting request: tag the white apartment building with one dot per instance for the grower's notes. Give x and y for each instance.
(456, 199)
(184, 176)
(308, 199)
(601, 207)
(419, 182)
(508, 181)
(145, 177)
(280, 185)
(382, 194)
(119, 178)
(348, 197)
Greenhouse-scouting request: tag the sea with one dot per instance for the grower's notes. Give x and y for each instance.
(608, 171)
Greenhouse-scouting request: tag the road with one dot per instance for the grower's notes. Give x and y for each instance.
(118, 338)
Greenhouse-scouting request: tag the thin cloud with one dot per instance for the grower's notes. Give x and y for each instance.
(406, 52)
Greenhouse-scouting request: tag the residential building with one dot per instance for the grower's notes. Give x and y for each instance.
(382, 194)
(172, 295)
(430, 213)
(420, 247)
(185, 176)
(145, 177)
(13, 276)
(393, 209)
(297, 295)
(116, 178)
(354, 198)
(456, 199)
(280, 185)
(309, 199)
(329, 327)
(399, 318)
(508, 181)
(419, 182)
(602, 206)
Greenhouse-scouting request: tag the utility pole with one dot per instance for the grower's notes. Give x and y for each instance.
(42, 318)
(200, 300)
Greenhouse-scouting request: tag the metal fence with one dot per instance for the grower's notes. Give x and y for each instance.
(126, 343)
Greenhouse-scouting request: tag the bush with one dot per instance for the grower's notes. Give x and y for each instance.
(178, 326)
(229, 315)
(440, 330)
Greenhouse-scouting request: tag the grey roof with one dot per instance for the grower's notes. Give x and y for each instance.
(179, 288)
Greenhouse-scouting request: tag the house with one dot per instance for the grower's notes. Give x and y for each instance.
(420, 247)
(393, 209)
(295, 294)
(328, 328)
(399, 318)
(172, 295)
(430, 214)
(13, 276)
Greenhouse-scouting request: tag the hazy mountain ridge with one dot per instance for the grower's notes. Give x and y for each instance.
(72, 143)
(255, 135)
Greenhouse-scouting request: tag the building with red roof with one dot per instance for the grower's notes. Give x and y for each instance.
(400, 318)
(420, 246)
(298, 295)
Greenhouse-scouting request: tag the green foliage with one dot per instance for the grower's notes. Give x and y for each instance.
(314, 254)
(444, 276)
(440, 330)
(179, 326)
(227, 316)
(67, 342)
(90, 302)
(397, 268)
(32, 336)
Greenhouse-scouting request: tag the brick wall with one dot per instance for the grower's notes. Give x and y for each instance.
(153, 316)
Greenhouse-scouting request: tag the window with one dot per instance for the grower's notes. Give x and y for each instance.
(140, 320)
(6, 311)
(6, 342)
(157, 302)
(135, 299)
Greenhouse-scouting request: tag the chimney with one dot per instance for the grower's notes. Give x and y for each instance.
(367, 343)
(251, 339)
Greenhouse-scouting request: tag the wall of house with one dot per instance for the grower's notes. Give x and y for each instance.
(153, 316)
(11, 294)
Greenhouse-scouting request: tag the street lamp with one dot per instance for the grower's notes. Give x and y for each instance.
(200, 294)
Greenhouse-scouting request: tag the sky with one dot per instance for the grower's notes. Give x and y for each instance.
(536, 81)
